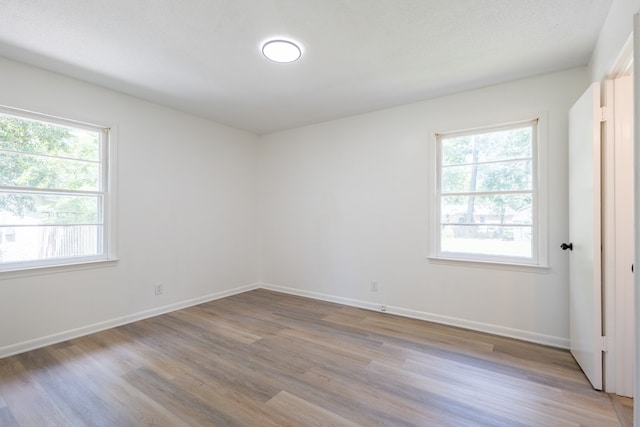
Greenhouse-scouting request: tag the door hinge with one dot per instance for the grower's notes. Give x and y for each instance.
(604, 114)
(604, 344)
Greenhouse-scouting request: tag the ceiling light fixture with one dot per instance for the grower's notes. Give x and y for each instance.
(281, 51)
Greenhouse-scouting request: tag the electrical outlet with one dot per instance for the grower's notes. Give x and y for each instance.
(383, 307)
(158, 288)
(374, 286)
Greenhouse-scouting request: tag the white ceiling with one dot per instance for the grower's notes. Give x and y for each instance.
(203, 56)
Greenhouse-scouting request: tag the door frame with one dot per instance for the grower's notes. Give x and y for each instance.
(617, 246)
(615, 307)
(636, 202)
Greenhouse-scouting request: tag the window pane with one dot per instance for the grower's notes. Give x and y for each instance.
(492, 209)
(488, 146)
(33, 243)
(32, 136)
(490, 239)
(34, 171)
(53, 176)
(502, 176)
(486, 191)
(31, 209)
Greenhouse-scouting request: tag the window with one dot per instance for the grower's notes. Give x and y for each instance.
(54, 191)
(486, 187)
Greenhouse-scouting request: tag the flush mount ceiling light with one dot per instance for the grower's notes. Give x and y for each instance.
(281, 51)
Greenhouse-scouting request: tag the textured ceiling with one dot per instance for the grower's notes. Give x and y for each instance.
(203, 56)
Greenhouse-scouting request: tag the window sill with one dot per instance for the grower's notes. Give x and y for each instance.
(493, 265)
(56, 269)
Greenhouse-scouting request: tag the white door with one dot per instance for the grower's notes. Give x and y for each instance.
(585, 288)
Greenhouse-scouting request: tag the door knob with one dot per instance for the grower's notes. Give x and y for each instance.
(566, 246)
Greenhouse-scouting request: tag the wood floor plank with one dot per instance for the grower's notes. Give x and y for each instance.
(413, 330)
(304, 413)
(364, 350)
(263, 358)
(502, 393)
(624, 408)
(133, 405)
(28, 403)
(379, 403)
(70, 392)
(7, 419)
(186, 405)
(219, 326)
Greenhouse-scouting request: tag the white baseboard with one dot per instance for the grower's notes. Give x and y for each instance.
(520, 334)
(323, 297)
(33, 344)
(24, 346)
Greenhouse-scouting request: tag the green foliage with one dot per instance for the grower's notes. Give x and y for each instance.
(36, 154)
(499, 161)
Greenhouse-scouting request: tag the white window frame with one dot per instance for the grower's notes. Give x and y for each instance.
(107, 161)
(539, 258)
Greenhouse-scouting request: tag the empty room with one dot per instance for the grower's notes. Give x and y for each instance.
(318, 213)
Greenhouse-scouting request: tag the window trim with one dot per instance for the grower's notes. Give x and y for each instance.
(539, 259)
(107, 161)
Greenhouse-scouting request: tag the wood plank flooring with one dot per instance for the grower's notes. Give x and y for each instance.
(263, 358)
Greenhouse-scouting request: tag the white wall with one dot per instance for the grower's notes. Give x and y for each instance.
(186, 205)
(336, 205)
(345, 202)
